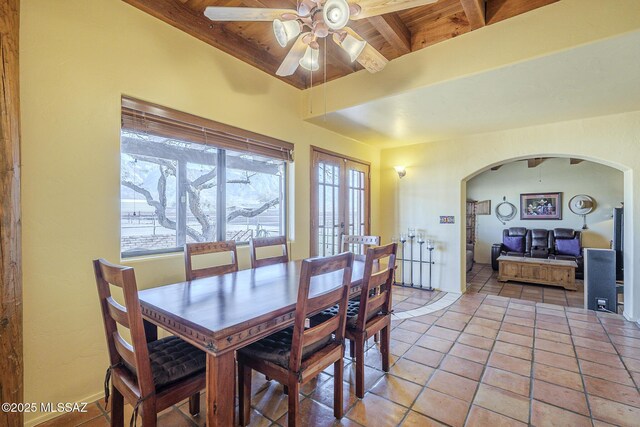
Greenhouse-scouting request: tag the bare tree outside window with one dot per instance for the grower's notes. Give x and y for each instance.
(170, 194)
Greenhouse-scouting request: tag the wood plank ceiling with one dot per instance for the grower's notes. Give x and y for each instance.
(393, 34)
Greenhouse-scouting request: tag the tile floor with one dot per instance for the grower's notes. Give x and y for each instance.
(486, 360)
(484, 280)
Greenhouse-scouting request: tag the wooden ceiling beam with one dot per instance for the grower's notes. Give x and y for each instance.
(474, 9)
(532, 163)
(499, 10)
(391, 27)
(197, 25)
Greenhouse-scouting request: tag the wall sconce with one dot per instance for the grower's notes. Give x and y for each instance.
(401, 170)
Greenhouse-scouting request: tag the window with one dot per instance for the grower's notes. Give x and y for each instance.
(178, 187)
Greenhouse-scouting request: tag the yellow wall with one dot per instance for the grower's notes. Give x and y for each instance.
(77, 58)
(435, 184)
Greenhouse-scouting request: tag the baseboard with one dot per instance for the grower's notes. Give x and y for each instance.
(51, 415)
(629, 318)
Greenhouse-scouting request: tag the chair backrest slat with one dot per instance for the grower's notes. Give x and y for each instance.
(359, 244)
(125, 350)
(261, 242)
(129, 316)
(337, 269)
(118, 312)
(381, 281)
(193, 249)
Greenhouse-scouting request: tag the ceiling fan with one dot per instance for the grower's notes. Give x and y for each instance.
(315, 19)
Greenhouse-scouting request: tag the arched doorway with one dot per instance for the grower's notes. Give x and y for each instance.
(558, 176)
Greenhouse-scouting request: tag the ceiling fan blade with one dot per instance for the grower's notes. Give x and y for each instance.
(370, 58)
(245, 13)
(292, 60)
(380, 7)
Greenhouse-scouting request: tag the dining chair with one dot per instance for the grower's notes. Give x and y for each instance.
(359, 244)
(150, 374)
(263, 242)
(371, 314)
(194, 249)
(296, 355)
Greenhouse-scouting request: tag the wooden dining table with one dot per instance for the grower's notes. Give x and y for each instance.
(224, 313)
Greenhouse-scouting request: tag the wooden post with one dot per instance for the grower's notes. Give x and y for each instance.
(11, 372)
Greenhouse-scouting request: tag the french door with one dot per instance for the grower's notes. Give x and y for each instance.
(339, 201)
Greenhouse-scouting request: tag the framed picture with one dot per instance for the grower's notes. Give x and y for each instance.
(541, 206)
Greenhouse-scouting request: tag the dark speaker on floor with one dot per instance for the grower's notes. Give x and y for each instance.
(600, 279)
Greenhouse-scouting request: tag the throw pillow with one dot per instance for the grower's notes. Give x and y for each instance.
(568, 247)
(513, 243)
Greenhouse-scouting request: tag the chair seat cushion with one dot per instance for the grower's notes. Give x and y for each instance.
(276, 348)
(173, 359)
(353, 309)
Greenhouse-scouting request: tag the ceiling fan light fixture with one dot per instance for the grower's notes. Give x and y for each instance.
(336, 14)
(285, 31)
(310, 59)
(353, 46)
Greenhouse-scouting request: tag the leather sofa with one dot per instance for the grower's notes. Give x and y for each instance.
(559, 243)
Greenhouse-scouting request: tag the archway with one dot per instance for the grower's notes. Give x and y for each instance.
(630, 286)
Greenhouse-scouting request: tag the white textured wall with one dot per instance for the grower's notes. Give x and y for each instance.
(603, 183)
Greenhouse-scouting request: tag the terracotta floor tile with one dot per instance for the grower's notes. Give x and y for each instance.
(427, 319)
(517, 339)
(453, 315)
(625, 351)
(463, 367)
(443, 333)
(75, 418)
(558, 376)
(503, 402)
(519, 321)
(396, 390)
(311, 413)
(614, 330)
(482, 331)
(413, 326)
(493, 324)
(424, 355)
(470, 353)
(414, 419)
(553, 336)
(520, 313)
(605, 372)
(507, 381)
(510, 363)
(513, 350)
(489, 314)
(555, 347)
(544, 415)
(517, 329)
(588, 333)
(475, 341)
(375, 410)
(553, 326)
(594, 344)
(563, 397)
(411, 371)
(612, 391)
(324, 394)
(523, 307)
(626, 341)
(404, 335)
(441, 407)
(632, 364)
(434, 343)
(604, 358)
(453, 385)
(397, 348)
(614, 412)
(456, 325)
(556, 360)
(480, 417)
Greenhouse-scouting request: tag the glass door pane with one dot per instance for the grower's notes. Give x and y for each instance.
(328, 215)
(358, 203)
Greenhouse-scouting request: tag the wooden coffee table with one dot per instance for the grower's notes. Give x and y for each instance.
(538, 270)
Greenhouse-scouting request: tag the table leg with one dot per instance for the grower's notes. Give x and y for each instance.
(220, 390)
